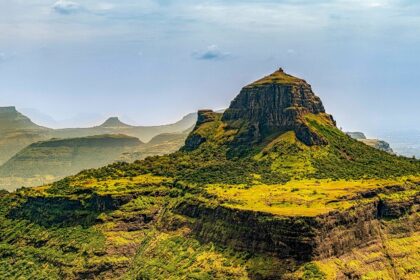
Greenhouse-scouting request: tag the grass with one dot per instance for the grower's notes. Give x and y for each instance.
(173, 256)
(277, 77)
(309, 197)
(117, 220)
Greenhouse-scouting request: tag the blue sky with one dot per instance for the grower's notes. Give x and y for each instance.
(151, 62)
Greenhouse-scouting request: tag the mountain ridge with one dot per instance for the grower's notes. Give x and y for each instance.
(279, 207)
(18, 131)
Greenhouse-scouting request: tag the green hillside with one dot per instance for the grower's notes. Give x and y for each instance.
(18, 131)
(269, 189)
(53, 159)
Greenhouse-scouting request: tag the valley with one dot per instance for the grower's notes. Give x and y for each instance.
(32, 155)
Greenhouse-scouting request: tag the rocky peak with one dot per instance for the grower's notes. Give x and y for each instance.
(272, 105)
(11, 119)
(194, 139)
(114, 122)
(205, 116)
(8, 110)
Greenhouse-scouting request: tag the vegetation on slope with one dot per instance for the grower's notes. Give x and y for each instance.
(278, 160)
(276, 208)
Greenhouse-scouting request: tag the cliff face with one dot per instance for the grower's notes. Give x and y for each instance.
(273, 105)
(378, 144)
(299, 238)
(374, 143)
(262, 111)
(194, 139)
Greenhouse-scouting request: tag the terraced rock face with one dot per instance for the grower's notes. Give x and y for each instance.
(273, 105)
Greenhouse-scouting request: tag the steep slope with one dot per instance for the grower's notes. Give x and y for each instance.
(49, 160)
(16, 132)
(255, 193)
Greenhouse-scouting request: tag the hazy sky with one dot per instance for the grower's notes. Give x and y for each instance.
(151, 62)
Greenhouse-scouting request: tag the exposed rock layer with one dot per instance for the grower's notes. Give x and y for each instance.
(273, 105)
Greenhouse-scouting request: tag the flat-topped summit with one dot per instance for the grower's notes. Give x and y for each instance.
(272, 105)
(114, 122)
(8, 109)
(277, 77)
(10, 118)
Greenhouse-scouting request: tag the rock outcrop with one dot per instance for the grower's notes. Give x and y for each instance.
(271, 106)
(114, 122)
(194, 140)
(378, 144)
(375, 143)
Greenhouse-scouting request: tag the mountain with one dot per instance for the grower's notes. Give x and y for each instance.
(45, 161)
(269, 189)
(114, 126)
(11, 120)
(114, 123)
(161, 144)
(18, 131)
(375, 143)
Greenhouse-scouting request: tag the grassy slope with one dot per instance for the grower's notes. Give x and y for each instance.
(70, 230)
(46, 161)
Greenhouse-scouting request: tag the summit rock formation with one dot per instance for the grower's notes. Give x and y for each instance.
(273, 105)
(114, 122)
(266, 109)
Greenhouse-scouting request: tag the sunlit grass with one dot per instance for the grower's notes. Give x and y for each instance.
(308, 197)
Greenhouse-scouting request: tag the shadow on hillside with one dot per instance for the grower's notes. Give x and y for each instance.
(62, 211)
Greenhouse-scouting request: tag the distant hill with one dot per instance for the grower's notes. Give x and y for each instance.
(161, 144)
(375, 143)
(18, 131)
(114, 126)
(52, 159)
(114, 123)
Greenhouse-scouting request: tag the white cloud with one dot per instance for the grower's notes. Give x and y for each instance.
(105, 6)
(66, 7)
(212, 52)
